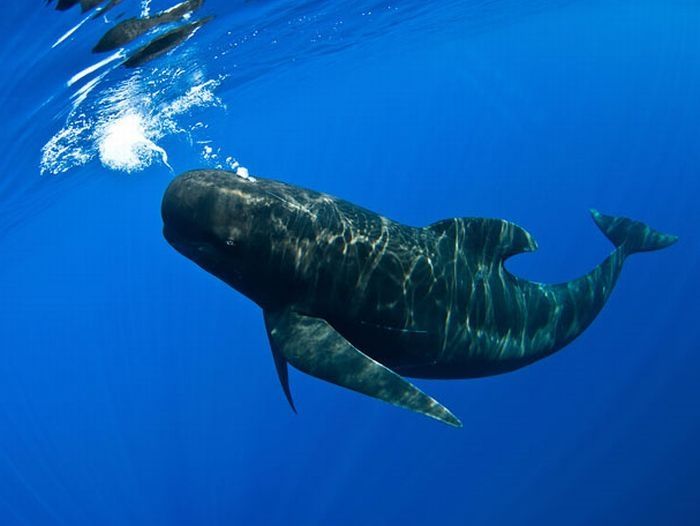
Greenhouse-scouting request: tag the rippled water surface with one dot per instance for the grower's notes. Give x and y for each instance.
(88, 108)
(137, 389)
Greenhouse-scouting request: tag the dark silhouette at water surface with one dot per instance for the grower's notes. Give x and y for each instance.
(164, 43)
(129, 30)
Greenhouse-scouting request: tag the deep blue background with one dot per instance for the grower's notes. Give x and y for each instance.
(137, 389)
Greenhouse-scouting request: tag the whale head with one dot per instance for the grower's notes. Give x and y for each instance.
(235, 228)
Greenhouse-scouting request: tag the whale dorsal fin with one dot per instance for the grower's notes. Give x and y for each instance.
(483, 238)
(313, 346)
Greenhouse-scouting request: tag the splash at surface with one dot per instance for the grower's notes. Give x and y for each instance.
(121, 127)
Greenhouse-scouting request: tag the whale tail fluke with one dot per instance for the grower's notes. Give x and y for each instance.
(632, 236)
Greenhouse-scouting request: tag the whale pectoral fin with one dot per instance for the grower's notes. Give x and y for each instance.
(313, 346)
(280, 363)
(282, 372)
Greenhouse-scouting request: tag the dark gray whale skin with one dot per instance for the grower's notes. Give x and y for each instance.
(164, 43)
(85, 5)
(132, 28)
(360, 300)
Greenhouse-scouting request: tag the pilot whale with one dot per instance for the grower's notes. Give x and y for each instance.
(362, 301)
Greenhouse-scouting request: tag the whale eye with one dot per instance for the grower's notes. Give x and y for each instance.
(230, 242)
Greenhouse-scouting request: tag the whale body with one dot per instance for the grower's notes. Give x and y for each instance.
(362, 301)
(127, 31)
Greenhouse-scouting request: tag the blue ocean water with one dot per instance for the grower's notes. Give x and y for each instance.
(137, 389)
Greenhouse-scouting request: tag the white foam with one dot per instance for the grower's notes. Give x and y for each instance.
(61, 153)
(123, 125)
(242, 172)
(124, 144)
(145, 8)
(196, 96)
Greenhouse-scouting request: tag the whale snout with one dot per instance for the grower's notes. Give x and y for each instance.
(207, 211)
(220, 221)
(181, 207)
(196, 202)
(187, 211)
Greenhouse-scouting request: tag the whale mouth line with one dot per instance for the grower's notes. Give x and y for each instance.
(184, 245)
